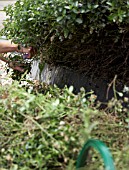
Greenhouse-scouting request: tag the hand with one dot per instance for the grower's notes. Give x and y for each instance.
(13, 64)
(29, 52)
(16, 66)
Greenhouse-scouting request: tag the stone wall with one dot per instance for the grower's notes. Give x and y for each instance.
(62, 76)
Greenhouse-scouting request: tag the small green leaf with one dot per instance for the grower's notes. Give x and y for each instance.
(67, 7)
(59, 18)
(66, 32)
(71, 89)
(30, 19)
(79, 20)
(56, 103)
(96, 6)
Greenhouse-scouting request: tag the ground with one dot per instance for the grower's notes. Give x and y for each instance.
(4, 77)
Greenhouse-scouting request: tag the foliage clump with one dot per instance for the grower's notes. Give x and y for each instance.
(47, 130)
(40, 131)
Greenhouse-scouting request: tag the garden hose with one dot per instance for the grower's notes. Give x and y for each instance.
(101, 148)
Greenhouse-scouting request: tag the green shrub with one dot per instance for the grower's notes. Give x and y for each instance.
(35, 22)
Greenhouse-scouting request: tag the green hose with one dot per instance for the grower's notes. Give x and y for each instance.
(101, 148)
